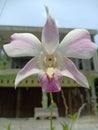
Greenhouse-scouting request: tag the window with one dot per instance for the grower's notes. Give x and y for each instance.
(4, 60)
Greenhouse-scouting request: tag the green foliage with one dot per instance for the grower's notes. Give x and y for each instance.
(4, 61)
(52, 128)
(8, 127)
(53, 105)
(64, 126)
(73, 117)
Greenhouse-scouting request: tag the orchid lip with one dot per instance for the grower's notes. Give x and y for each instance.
(50, 72)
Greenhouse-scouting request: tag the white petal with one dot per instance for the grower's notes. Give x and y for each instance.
(72, 72)
(29, 69)
(23, 44)
(50, 34)
(77, 43)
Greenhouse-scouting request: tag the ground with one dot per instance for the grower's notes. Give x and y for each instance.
(84, 123)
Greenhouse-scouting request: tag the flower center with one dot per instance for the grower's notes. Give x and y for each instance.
(50, 63)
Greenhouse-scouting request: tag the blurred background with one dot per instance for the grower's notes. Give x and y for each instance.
(30, 15)
(67, 13)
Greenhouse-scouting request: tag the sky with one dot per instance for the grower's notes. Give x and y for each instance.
(67, 13)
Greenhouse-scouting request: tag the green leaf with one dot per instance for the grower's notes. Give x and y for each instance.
(8, 127)
(64, 126)
(53, 128)
(53, 105)
(73, 116)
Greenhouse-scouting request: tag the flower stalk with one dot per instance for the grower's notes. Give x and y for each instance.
(51, 111)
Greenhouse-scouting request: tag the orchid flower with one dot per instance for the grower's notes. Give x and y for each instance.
(50, 59)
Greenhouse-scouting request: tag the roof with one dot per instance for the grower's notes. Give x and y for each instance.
(7, 31)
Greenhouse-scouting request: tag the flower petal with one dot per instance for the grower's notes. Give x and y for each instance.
(50, 84)
(23, 44)
(29, 69)
(77, 43)
(50, 34)
(72, 72)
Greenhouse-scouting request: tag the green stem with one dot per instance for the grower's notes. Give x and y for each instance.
(51, 111)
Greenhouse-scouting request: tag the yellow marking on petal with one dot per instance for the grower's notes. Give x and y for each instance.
(50, 72)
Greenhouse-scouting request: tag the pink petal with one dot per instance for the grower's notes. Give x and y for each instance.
(23, 44)
(72, 72)
(78, 44)
(50, 34)
(29, 69)
(50, 85)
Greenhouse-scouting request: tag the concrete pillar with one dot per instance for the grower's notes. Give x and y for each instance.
(95, 59)
(44, 100)
(86, 64)
(77, 63)
(94, 103)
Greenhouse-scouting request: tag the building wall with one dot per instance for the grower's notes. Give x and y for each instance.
(22, 101)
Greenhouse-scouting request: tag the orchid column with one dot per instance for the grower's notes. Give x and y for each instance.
(50, 60)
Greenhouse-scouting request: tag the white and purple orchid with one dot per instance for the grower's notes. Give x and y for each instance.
(49, 58)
